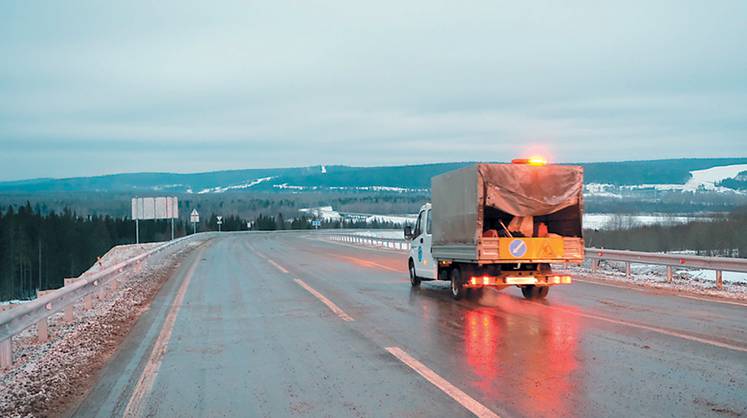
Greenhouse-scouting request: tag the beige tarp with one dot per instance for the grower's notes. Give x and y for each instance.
(525, 190)
(521, 190)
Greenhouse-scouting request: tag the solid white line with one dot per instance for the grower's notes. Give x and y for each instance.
(334, 308)
(145, 382)
(713, 300)
(664, 289)
(656, 329)
(465, 400)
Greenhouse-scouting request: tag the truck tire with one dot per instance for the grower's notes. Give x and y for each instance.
(414, 279)
(533, 292)
(457, 285)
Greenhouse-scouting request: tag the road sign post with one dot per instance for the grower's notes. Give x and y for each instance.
(220, 222)
(194, 217)
(145, 208)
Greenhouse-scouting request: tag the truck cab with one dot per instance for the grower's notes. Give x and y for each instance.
(421, 263)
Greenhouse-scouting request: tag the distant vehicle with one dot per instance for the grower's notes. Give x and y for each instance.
(499, 225)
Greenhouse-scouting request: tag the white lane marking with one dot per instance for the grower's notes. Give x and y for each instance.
(454, 392)
(145, 382)
(334, 308)
(655, 329)
(277, 266)
(714, 300)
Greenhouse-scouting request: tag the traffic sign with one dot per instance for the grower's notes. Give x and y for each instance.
(194, 217)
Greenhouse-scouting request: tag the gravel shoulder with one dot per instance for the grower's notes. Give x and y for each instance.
(48, 377)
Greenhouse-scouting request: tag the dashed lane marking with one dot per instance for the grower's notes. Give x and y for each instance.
(454, 392)
(277, 266)
(331, 305)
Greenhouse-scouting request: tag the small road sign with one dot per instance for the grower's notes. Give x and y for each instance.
(220, 222)
(194, 217)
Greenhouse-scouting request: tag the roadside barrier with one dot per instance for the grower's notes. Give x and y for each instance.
(596, 255)
(81, 290)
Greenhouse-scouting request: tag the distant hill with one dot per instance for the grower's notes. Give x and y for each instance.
(409, 177)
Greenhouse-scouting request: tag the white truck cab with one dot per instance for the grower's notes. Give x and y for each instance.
(421, 263)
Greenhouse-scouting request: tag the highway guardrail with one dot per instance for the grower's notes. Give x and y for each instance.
(16, 320)
(717, 264)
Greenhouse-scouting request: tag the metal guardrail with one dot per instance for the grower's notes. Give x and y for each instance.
(16, 320)
(718, 264)
(393, 243)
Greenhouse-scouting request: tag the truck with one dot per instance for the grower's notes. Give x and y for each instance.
(499, 225)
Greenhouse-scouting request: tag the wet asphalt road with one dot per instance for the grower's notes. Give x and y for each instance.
(251, 339)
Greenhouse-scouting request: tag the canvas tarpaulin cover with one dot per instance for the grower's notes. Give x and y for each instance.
(459, 197)
(525, 190)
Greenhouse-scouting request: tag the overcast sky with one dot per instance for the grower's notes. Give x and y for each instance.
(93, 87)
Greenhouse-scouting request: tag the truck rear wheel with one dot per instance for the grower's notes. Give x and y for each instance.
(457, 286)
(414, 279)
(535, 292)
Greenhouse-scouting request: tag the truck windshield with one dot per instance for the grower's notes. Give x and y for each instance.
(419, 225)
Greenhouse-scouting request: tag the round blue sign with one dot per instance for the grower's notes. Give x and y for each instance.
(517, 248)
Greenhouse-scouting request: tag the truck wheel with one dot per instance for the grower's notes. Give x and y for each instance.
(535, 292)
(414, 279)
(457, 286)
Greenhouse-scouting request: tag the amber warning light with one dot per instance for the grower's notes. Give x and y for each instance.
(536, 161)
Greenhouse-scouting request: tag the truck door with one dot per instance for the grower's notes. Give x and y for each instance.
(428, 268)
(420, 248)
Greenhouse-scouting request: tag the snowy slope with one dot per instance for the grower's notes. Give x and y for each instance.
(708, 178)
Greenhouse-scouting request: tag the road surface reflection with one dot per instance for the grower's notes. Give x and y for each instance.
(516, 353)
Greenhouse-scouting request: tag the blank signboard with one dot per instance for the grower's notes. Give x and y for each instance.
(144, 208)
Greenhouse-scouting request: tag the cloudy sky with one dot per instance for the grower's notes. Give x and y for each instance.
(92, 87)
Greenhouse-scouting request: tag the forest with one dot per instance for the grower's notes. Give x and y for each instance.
(724, 236)
(39, 249)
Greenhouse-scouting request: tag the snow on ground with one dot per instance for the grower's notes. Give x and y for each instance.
(247, 185)
(614, 221)
(699, 180)
(48, 377)
(119, 254)
(708, 178)
(289, 187)
(702, 282)
(325, 213)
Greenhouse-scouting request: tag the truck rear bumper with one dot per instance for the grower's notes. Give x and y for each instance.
(519, 279)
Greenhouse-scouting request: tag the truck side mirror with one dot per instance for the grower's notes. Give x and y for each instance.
(408, 232)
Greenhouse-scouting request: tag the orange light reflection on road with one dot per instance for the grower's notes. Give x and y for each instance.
(541, 346)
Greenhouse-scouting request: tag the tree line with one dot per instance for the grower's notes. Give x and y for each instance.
(722, 237)
(40, 248)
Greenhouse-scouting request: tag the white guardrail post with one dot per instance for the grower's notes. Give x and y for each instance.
(596, 255)
(37, 312)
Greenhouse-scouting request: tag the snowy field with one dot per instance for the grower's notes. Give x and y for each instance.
(613, 221)
(699, 180)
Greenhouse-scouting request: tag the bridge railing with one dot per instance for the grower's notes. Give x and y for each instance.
(82, 290)
(595, 255)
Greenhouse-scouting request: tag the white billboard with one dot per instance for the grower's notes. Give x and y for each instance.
(144, 208)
